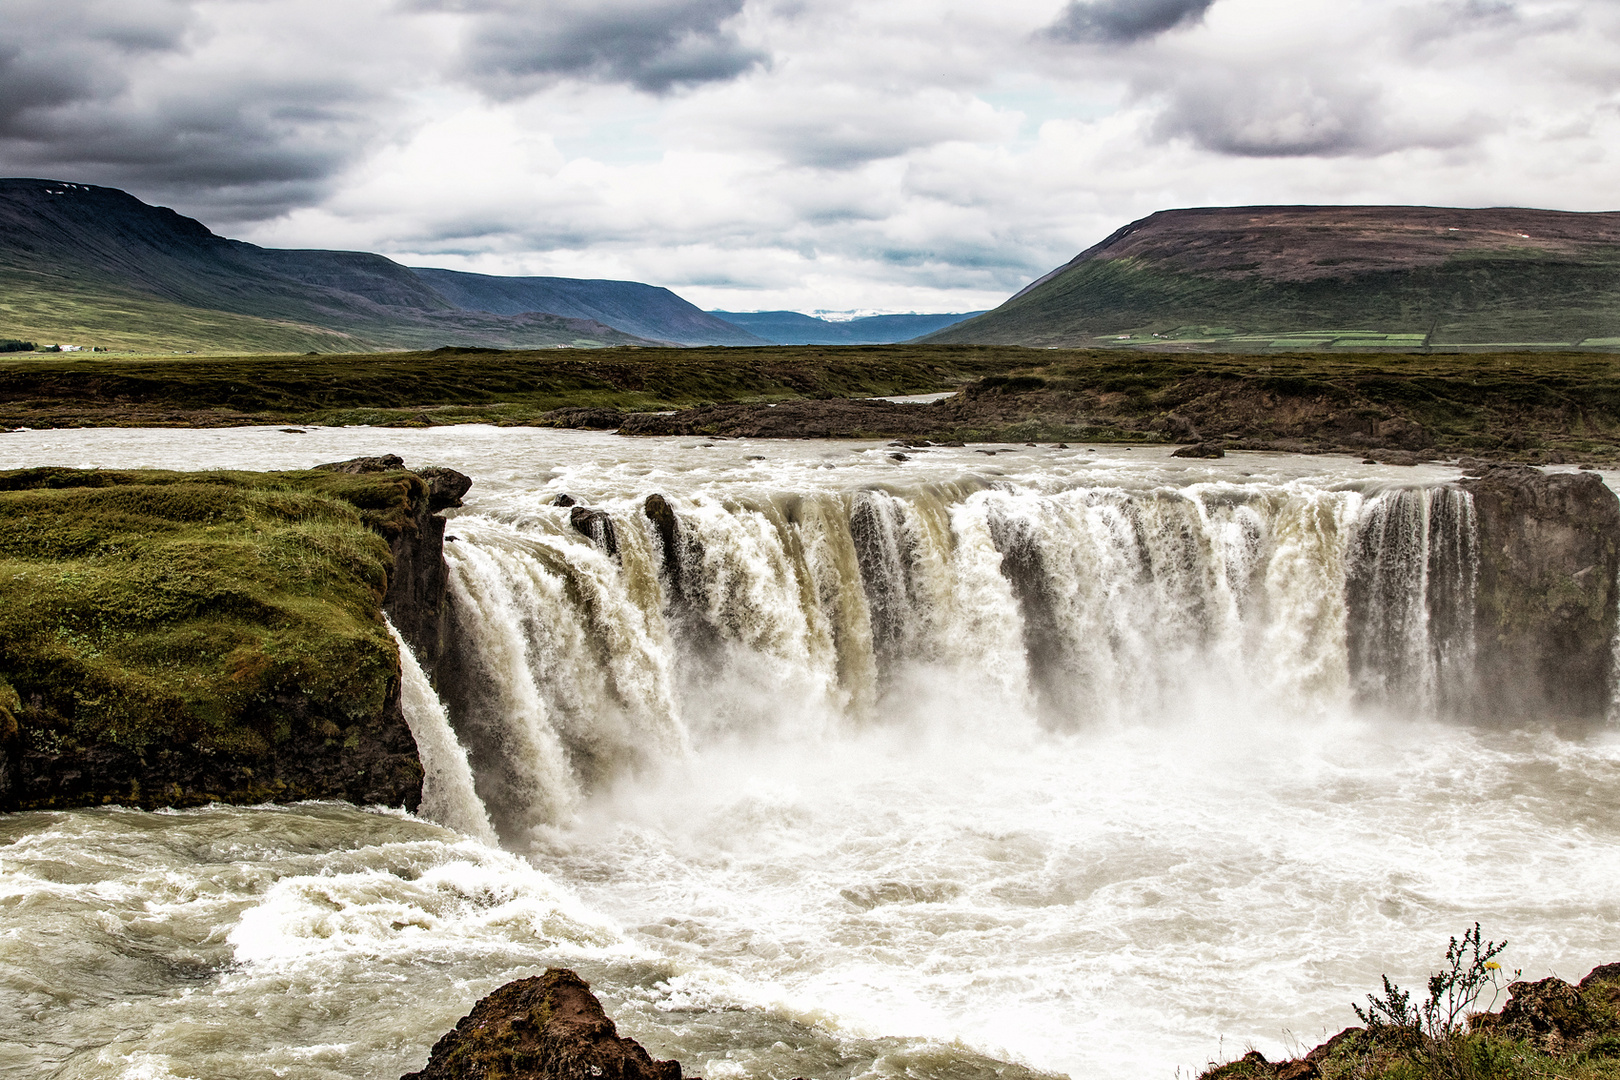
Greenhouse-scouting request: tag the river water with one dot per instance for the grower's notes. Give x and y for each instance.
(1080, 761)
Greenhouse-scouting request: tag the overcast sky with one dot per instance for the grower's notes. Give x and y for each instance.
(754, 154)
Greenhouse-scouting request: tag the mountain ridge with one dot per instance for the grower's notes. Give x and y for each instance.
(1448, 276)
(98, 264)
(797, 328)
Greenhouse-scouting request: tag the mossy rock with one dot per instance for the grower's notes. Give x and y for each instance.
(183, 637)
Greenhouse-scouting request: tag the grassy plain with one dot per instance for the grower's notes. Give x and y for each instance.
(459, 385)
(1482, 403)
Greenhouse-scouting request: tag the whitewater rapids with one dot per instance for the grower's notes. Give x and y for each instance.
(1085, 760)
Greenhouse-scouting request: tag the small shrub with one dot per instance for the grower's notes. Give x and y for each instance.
(1454, 991)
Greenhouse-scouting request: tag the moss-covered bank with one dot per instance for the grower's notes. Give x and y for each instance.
(1547, 1030)
(177, 638)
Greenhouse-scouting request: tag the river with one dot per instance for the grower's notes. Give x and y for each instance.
(1079, 761)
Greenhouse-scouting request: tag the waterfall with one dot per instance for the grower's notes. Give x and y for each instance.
(448, 796)
(1412, 584)
(758, 614)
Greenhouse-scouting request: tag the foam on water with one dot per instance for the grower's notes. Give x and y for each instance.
(1084, 760)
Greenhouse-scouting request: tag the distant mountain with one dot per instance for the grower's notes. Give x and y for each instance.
(630, 306)
(793, 328)
(1316, 275)
(93, 265)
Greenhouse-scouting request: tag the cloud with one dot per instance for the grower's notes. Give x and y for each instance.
(229, 107)
(1115, 22)
(799, 153)
(62, 53)
(515, 47)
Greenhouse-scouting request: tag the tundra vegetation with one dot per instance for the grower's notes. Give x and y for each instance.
(156, 621)
(1531, 406)
(1547, 1028)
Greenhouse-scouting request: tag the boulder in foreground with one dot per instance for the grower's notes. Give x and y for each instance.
(549, 1027)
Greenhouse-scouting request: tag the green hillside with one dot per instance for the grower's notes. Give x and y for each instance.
(96, 267)
(1327, 277)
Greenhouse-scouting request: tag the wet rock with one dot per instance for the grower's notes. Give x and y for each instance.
(595, 418)
(546, 1028)
(1550, 1013)
(361, 465)
(668, 527)
(598, 525)
(564, 499)
(1549, 549)
(1200, 450)
(445, 487)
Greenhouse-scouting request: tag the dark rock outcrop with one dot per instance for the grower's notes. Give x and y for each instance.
(1200, 450)
(545, 1028)
(1549, 549)
(415, 600)
(668, 527)
(596, 524)
(575, 416)
(1550, 1013)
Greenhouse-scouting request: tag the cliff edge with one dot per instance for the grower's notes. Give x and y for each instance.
(174, 639)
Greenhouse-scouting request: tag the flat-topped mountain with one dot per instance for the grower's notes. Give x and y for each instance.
(1427, 275)
(95, 265)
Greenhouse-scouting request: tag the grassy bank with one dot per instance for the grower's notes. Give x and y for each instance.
(1552, 403)
(460, 385)
(1547, 1029)
(1548, 404)
(222, 616)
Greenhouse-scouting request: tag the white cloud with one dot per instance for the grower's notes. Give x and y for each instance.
(801, 153)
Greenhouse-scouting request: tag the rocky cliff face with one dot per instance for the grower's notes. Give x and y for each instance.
(415, 600)
(1549, 551)
(215, 637)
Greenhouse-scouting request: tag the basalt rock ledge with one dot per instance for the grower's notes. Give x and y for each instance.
(175, 639)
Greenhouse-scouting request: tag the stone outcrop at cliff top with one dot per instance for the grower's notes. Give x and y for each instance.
(545, 1028)
(172, 639)
(1549, 551)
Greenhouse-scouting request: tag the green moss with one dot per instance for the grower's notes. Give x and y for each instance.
(228, 612)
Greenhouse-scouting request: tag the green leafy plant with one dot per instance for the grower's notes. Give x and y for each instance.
(1454, 991)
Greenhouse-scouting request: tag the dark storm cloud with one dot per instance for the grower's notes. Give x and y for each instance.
(1123, 21)
(514, 47)
(114, 92)
(70, 51)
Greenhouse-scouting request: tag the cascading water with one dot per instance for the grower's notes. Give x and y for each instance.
(448, 794)
(785, 616)
(1075, 760)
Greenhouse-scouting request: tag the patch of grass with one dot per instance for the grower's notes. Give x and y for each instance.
(223, 612)
(461, 385)
(1548, 1030)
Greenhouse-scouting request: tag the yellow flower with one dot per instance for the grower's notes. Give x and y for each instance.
(1492, 965)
